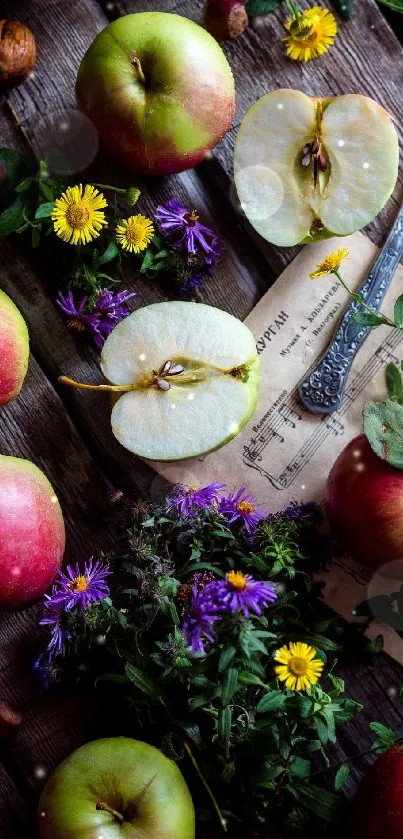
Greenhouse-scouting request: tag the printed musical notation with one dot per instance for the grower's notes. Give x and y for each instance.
(284, 418)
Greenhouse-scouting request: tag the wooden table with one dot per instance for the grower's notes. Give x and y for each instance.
(66, 433)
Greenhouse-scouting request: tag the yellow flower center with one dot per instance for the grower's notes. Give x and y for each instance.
(192, 217)
(135, 231)
(237, 580)
(298, 665)
(77, 216)
(79, 583)
(246, 507)
(74, 323)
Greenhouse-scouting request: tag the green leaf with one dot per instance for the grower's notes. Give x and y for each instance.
(44, 210)
(116, 678)
(383, 426)
(226, 656)
(344, 8)
(229, 685)
(383, 733)
(262, 7)
(13, 167)
(337, 683)
(322, 803)
(13, 217)
(376, 645)
(24, 185)
(250, 679)
(35, 237)
(368, 319)
(322, 729)
(398, 310)
(141, 680)
(300, 705)
(396, 5)
(224, 726)
(394, 383)
(342, 776)
(271, 701)
(110, 253)
(300, 768)
(46, 191)
(319, 642)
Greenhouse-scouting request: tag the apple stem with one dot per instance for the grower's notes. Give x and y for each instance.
(106, 808)
(137, 65)
(64, 380)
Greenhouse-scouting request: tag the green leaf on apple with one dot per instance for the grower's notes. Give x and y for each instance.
(383, 426)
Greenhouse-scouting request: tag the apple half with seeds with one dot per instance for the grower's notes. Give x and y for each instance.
(186, 376)
(306, 168)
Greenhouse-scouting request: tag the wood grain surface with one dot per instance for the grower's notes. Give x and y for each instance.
(67, 433)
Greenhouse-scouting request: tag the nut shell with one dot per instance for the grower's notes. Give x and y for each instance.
(17, 53)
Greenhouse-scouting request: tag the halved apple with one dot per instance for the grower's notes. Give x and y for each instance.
(306, 168)
(188, 375)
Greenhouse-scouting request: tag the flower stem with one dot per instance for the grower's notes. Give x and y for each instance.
(207, 788)
(360, 300)
(370, 751)
(111, 188)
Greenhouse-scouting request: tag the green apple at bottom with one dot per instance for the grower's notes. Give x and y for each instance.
(116, 788)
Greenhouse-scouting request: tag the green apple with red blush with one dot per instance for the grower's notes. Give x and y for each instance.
(14, 349)
(158, 89)
(116, 788)
(32, 533)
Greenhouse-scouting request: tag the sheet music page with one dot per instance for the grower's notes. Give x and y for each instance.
(285, 453)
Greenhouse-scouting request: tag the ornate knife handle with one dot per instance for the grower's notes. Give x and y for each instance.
(322, 392)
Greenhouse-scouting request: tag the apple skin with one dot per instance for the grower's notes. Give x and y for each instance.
(164, 116)
(133, 778)
(14, 349)
(32, 533)
(364, 497)
(377, 809)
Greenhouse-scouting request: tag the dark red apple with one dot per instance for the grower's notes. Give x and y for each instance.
(377, 809)
(31, 532)
(365, 506)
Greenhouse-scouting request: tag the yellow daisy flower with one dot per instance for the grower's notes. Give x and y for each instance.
(330, 264)
(298, 667)
(310, 34)
(77, 215)
(135, 233)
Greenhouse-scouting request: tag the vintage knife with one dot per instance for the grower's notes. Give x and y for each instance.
(322, 392)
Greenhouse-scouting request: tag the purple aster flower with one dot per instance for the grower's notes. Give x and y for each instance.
(198, 621)
(240, 591)
(307, 513)
(54, 620)
(46, 672)
(108, 310)
(241, 505)
(186, 499)
(185, 229)
(79, 588)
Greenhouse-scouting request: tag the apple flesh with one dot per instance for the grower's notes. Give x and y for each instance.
(159, 91)
(364, 497)
(116, 788)
(14, 349)
(32, 533)
(377, 809)
(306, 168)
(189, 377)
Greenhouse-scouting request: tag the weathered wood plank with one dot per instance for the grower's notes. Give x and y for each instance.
(370, 64)
(15, 817)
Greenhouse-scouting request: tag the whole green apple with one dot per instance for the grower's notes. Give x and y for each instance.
(14, 349)
(159, 91)
(116, 788)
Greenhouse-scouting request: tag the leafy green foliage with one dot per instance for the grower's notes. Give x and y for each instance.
(245, 727)
(262, 7)
(396, 5)
(383, 426)
(394, 383)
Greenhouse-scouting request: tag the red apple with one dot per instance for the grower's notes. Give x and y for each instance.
(365, 507)
(32, 533)
(14, 349)
(159, 91)
(377, 810)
